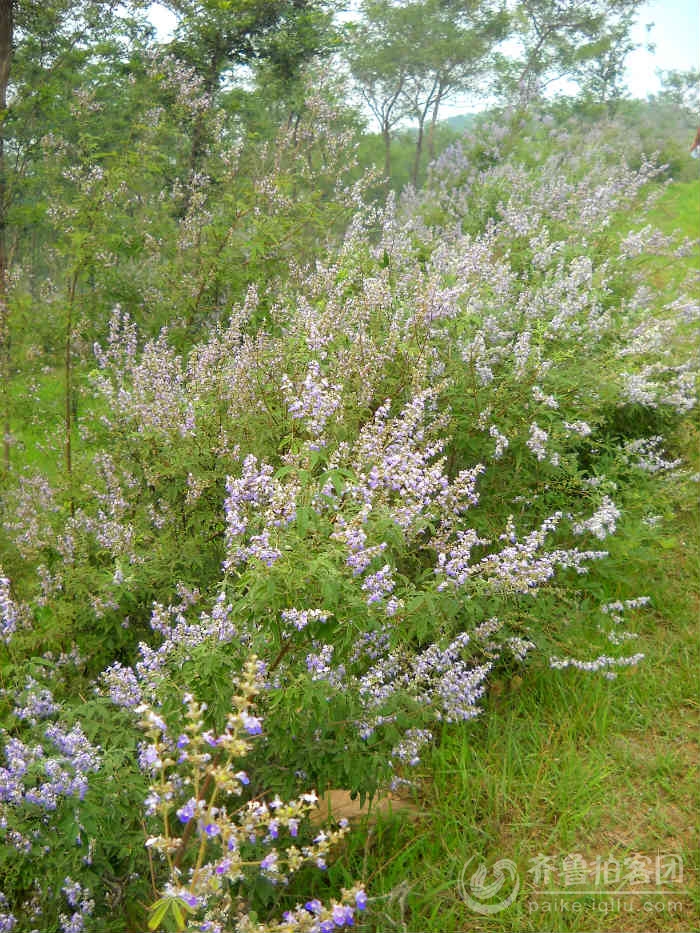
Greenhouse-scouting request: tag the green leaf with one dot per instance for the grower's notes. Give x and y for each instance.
(178, 913)
(158, 912)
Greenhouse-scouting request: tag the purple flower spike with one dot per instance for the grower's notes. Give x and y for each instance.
(343, 916)
(185, 813)
(251, 724)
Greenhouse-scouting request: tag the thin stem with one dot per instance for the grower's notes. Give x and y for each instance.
(68, 408)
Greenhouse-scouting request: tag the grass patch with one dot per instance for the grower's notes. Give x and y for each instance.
(37, 401)
(678, 209)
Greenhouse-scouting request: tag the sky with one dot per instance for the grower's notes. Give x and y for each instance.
(675, 33)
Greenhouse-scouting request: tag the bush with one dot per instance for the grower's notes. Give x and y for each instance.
(364, 478)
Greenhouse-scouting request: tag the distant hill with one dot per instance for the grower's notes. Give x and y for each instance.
(460, 122)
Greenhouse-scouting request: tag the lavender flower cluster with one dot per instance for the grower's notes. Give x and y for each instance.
(44, 775)
(9, 611)
(256, 495)
(391, 486)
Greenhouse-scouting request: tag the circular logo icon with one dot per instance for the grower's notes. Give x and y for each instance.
(478, 892)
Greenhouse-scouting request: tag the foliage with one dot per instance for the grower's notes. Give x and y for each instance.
(586, 41)
(408, 59)
(377, 445)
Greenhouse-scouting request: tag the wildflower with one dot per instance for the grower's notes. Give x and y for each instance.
(186, 812)
(251, 724)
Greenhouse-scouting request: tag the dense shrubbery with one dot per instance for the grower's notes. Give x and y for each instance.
(363, 476)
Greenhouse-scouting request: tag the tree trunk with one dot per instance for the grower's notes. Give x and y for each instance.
(198, 143)
(431, 130)
(6, 28)
(419, 151)
(386, 136)
(421, 112)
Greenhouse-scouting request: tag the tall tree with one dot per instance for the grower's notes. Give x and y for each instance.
(681, 89)
(602, 70)
(49, 53)
(380, 59)
(408, 58)
(453, 42)
(585, 41)
(216, 38)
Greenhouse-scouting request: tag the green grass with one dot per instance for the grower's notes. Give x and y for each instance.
(679, 209)
(565, 762)
(37, 400)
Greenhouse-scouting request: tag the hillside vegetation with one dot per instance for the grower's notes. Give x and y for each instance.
(416, 513)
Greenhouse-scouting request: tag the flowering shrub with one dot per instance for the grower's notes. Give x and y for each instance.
(365, 476)
(44, 779)
(211, 837)
(223, 834)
